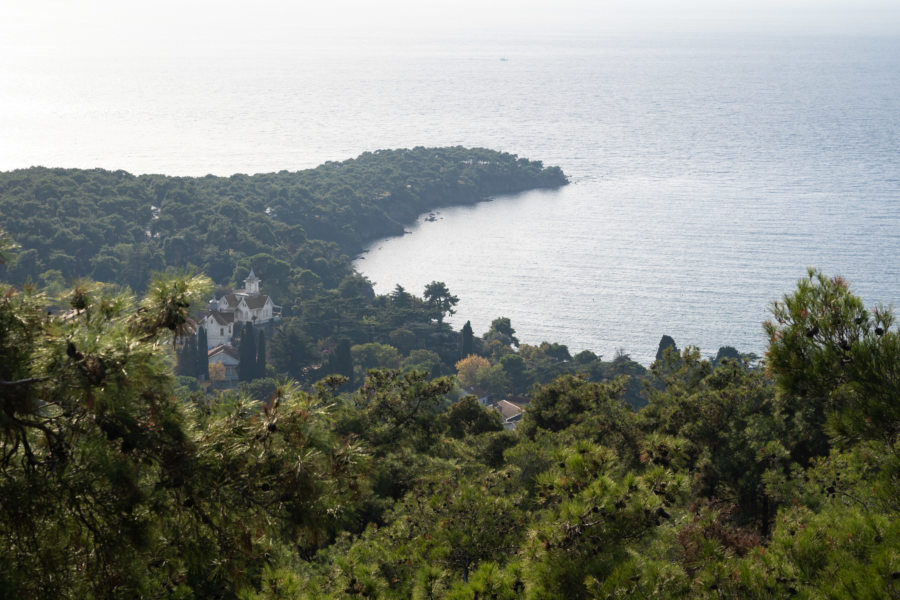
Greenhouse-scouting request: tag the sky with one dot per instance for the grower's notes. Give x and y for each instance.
(64, 27)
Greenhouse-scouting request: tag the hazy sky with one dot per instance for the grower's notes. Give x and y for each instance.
(186, 26)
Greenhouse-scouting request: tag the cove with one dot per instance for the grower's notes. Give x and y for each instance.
(612, 264)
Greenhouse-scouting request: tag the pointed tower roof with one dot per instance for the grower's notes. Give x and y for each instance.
(251, 284)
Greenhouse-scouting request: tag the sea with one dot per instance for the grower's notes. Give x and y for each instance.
(708, 172)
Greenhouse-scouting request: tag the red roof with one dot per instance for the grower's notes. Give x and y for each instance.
(254, 302)
(224, 349)
(222, 318)
(232, 300)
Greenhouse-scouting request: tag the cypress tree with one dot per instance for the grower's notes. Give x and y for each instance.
(191, 357)
(202, 340)
(341, 361)
(665, 343)
(184, 364)
(261, 355)
(201, 355)
(247, 354)
(468, 340)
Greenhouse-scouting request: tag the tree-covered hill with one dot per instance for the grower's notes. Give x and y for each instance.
(116, 227)
(353, 470)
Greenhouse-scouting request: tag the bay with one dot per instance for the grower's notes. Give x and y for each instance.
(708, 172)
(709, 177)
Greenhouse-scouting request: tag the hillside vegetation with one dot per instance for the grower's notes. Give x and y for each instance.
(729, 483)
(351, 462)
(117, 227)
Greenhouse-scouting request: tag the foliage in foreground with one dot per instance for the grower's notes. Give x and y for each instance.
(731, 482)
(112, 488)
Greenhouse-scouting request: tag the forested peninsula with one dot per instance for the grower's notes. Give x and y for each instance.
(116, 227)
(360, 447)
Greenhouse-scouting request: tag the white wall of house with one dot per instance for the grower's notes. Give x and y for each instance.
(216, 333)
(259, 315)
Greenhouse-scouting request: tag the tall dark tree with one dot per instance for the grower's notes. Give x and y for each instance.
(341, 361)
(201, 354)
(261, 355)
(665, 343)
(247, 354)
(467, 343)
(184, 358)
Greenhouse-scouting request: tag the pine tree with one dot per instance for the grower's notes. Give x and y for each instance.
(124, 490)
(261, 355)
(439, 299)
(247, 354)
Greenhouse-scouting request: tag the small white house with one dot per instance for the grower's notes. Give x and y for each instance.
(510, 412)
(226, 355)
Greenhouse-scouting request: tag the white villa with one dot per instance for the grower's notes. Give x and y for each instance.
(241, 306)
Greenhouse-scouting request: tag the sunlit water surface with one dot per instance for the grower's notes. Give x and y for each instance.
(707, 173)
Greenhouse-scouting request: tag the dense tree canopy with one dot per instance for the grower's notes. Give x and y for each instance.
(295, 230)
(353, 466)
(291, 226)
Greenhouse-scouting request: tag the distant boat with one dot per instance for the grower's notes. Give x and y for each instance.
(503, 59)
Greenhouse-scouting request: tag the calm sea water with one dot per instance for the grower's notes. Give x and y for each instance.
(707, 172)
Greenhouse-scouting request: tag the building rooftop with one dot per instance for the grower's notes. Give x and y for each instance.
(226, 349)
